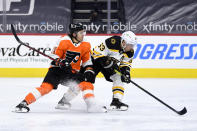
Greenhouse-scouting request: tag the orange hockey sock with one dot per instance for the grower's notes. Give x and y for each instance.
(87, 89)
(45, 88)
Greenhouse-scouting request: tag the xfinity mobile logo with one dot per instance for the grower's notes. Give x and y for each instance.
(41, 27)
(17, 7)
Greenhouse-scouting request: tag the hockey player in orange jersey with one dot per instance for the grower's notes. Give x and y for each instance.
(113, 55)
(72, 51)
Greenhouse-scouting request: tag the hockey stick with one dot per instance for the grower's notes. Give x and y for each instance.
(182, 112)
(26, 44)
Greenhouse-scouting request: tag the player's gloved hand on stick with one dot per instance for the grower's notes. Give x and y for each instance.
(125, 74)
(65, 64)
(55, 62)
(111, 64)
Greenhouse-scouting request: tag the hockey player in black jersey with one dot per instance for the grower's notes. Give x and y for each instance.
(115, 53)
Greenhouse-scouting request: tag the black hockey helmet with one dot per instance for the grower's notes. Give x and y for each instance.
(75, 28)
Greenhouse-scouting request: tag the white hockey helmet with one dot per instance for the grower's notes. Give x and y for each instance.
(129, 37)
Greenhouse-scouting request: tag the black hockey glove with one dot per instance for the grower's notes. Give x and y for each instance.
(64, 66)
(55, 62)
(110, 64)
(89, 75)
(125, 74)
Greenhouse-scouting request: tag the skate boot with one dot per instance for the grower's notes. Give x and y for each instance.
(96, 109)
(93, 107)
(63, 104)
(22, 107)
(116, 104)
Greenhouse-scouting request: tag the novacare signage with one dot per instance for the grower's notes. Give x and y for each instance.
(151, 52)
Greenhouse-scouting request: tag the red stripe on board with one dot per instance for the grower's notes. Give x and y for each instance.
(38, 34)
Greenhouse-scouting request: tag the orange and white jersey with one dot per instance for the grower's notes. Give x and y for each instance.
(75, 53)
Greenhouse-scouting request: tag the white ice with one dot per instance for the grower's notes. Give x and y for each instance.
(144, 114)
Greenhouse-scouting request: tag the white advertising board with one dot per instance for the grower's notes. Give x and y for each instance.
(150, 52)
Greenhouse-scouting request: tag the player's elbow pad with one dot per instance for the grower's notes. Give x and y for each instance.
(89, 74)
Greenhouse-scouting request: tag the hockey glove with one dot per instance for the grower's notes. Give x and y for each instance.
(89, 75)
(110, 64)
(125, 74)
(55, 63)
(64, 66)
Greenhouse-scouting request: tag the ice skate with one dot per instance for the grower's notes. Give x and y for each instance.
(117, 105)
(22, 107)
(96, 109)
(63, 105)
(93, 107)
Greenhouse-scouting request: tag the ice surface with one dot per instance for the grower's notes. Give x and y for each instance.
(144, 114)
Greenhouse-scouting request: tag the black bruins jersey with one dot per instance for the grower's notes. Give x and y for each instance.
(112, 47)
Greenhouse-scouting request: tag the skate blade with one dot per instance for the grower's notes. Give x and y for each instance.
(62, 107)
(114, 108)
(20, 111)
(97, 110)
(104, 109)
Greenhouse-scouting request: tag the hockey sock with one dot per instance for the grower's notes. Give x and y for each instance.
(45, 88)
(87, 89)
(118, 92)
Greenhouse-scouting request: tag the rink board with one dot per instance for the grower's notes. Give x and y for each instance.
(136, 73)
(155, 56)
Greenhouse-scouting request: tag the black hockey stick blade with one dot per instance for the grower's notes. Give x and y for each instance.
(183, 111)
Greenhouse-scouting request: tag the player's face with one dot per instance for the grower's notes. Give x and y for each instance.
(123, 44)
(80, 35)
(126, 47)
